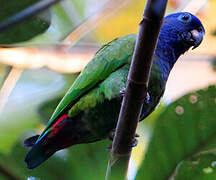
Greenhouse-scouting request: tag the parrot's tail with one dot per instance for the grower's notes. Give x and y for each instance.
(29, 142)
(38, 154)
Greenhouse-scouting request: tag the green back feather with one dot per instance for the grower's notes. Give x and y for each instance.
(107, 60)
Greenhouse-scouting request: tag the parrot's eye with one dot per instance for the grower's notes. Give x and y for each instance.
(185, 17)
(200, 29)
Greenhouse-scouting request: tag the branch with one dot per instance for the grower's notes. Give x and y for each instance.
(26, 13)
(136, 88)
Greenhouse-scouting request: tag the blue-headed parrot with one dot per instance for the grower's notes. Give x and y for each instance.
(89, 110)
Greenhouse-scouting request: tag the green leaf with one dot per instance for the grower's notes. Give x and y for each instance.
(199, 167)
(26, 29)
(186, 126)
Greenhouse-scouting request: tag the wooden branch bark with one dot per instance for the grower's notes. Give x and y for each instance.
(136, 88)
(26, 13)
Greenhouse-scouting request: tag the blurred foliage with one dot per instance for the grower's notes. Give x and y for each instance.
(20, 112)
(28, 28)
(80, 4)
(214, 33)
(78, 163)
(214, 64)
(200, 167)
(181, 131)
(4, 71)
(46, 108)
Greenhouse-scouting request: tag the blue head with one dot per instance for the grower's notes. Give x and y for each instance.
(179, 32)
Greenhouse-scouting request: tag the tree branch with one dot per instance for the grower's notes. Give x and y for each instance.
(136, 89)
(26, 13)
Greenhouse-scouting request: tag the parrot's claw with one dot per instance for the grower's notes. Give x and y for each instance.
(137, 135)
(122, 92)
(112, 134)
(109, 147)
(135, 142)
(147, 98)
(111, 137)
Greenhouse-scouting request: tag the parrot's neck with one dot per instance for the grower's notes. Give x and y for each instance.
(168, 51)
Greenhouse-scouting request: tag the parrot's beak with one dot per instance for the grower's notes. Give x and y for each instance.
(196, 37)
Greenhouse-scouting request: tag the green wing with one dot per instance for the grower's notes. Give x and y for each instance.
(107, 60)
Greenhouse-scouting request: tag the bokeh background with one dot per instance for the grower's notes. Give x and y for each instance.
(48, 52)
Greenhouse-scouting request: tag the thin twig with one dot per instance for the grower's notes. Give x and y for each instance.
(7, 70)
(8, 86)
(136, 88)
(26, 13)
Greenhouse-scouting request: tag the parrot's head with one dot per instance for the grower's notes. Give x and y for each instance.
(181, 31)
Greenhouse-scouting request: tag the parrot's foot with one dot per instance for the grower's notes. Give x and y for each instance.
(109, 147)
(122, 92)
(134, 144)
(112, 134)
(111, 137)
(147, 98)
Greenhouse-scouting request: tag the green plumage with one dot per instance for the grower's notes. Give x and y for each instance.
(103, 78)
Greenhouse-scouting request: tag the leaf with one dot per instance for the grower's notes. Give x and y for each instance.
(199, 167)
(26, 29)
(186, 126)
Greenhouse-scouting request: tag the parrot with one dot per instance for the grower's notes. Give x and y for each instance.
(89, 110)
